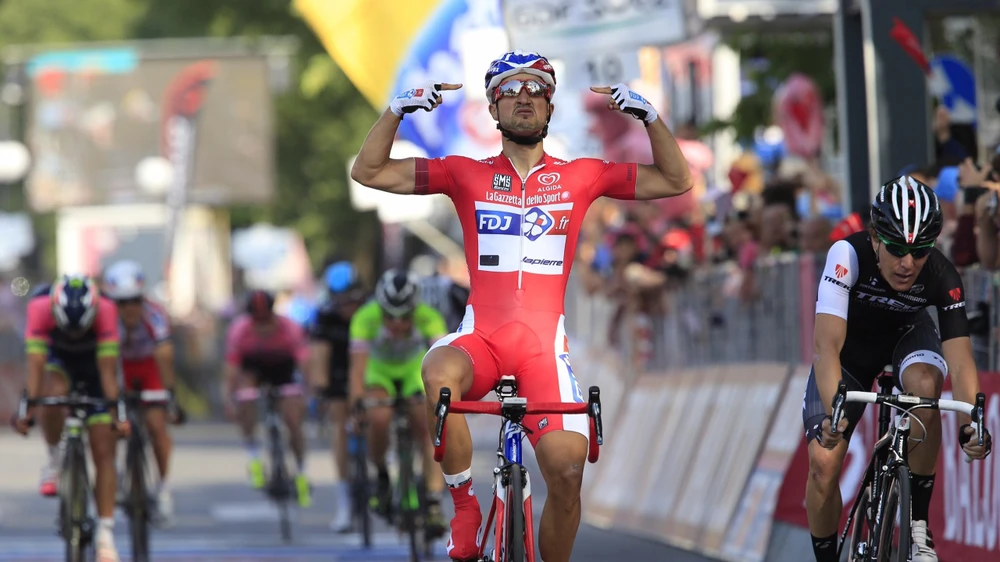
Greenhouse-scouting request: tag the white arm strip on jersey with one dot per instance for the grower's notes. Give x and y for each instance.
(839, 275)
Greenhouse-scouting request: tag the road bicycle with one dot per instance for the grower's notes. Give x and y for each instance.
(514, 536)
(76, 518)
(885, 490)
(280, 487)
(138, 503)
(409, 497)
(357, 449)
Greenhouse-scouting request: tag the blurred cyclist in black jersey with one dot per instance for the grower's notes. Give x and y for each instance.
(329, 362)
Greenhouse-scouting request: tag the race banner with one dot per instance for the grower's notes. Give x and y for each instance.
(184, 98)
(965, 509)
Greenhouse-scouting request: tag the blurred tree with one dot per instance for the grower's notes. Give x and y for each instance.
(767, 60)
(321, 122)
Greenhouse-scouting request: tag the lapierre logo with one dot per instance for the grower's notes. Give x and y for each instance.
(536, 261)
(501, 182)
(497, 222)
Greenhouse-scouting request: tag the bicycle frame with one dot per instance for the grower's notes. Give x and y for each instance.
(510, 452)
(891, 452)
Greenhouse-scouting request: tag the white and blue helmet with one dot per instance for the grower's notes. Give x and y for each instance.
(516, 62)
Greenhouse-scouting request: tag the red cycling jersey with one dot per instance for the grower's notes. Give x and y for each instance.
(520, 239)
(271, 352)
(138, 345)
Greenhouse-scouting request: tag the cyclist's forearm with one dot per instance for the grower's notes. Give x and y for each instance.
(359, 363)
(36, 368)
(964, 375)
(319, 360)
(108, 367)
(164, 356)
(374, 153)
(229, 375)
(828, 375)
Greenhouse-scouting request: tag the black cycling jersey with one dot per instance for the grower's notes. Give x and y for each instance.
(852, 287)
(328, 326)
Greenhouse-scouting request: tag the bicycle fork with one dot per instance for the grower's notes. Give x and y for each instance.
(499, 513)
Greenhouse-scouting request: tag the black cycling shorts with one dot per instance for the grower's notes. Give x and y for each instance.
(917, 343)
(336, 388)
(84, 376)
(272, 371)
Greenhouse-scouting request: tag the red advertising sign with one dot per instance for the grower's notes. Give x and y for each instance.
(965, 509)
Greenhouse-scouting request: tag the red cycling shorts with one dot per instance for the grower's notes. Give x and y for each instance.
(533, 347)
(142, 374)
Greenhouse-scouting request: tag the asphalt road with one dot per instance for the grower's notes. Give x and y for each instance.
(221, 519)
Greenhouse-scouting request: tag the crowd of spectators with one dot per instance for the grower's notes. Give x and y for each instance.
(635, 253)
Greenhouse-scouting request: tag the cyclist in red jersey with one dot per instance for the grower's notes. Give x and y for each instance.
(71, 338)
(147, 363)
(262, 346)
(520, 213)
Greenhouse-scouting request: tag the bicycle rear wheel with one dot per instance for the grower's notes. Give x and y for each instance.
(896, 500)
(74, 502)
(138, 503)
(514, 506)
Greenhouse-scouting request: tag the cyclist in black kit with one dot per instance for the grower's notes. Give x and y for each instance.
(870, 312)
(329, 356)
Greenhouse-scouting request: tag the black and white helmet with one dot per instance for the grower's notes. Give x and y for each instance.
(397, 292)
(906, 212)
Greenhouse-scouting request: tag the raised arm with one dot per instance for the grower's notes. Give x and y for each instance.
(373, 167)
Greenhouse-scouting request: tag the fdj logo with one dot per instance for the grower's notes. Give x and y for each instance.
(574, 385)
(536, 223)
(497, 222)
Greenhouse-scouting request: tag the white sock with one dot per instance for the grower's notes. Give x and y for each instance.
(301, 467)
(107, 523)
(457, 480)
(163, 485)
(53, 455)
(252, 449)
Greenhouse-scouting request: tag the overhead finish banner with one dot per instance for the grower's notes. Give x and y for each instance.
(558, 28)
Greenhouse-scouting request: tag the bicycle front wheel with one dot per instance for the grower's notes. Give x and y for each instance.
(74, 502)
(135, 461)
(359, 489)
(408, 497)
(514, 533)
(859, 531)
(896, 501)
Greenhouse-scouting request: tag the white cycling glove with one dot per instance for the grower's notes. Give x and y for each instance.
(632, 103)
(427, 98)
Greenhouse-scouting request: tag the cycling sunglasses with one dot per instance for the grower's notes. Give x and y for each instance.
(900, 250)
(512, 89)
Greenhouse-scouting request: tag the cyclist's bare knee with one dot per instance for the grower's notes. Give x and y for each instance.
(156, 421)
(825, 466)
(446, 367)
(54, 383)
(923, 379)
(293, 410)
(561, 457)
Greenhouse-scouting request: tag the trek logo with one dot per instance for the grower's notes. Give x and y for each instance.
(497, 222)
(840, 271)
(955, 294)
(954, 306)
(835, 282)
(502, 182)
(887, 302)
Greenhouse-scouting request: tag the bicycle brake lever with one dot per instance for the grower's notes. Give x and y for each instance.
(838, 406)
(978, 413)
(441, 412)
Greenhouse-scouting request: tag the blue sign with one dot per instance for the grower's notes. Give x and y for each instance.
(953, 81)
